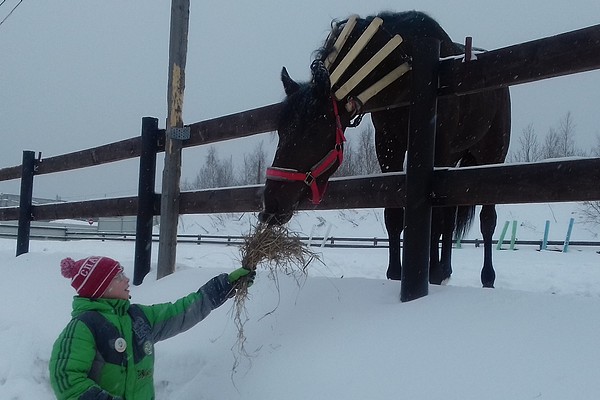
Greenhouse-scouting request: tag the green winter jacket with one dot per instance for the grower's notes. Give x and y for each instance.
(106, 351)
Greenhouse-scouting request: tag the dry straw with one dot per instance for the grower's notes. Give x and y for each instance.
(282, 249)
(278, 250)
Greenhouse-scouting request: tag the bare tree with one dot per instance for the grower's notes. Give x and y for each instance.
(186, 185)
(349, 166)
(367, 158)
(253, 170)
(560, 141)
(590, 211)
(360, 157)
(550, 148)
(566, 133)
(529, 147)
(596, 150)
(214, 173)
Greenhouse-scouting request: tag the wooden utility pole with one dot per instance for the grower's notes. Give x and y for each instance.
(175, 134)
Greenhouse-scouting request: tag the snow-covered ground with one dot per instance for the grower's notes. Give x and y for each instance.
(341, 332)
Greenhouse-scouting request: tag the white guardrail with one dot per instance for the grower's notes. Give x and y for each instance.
(46, 231)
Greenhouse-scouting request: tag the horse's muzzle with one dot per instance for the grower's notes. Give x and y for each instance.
(274, 219)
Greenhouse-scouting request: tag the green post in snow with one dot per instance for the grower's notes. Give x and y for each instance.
(545, 240)
(568, 238)
(502, 235)
(513, 236)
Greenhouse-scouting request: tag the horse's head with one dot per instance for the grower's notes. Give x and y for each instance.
(312, 121)
(309, 148)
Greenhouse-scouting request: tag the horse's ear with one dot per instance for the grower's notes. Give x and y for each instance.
(321, 79)
(289, 85)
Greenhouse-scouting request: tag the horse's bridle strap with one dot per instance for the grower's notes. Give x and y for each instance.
(310, 177)
(284, 174)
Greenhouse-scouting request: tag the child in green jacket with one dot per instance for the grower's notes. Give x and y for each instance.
(106, 351)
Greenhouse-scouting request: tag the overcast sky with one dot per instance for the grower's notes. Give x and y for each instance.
(79, 74)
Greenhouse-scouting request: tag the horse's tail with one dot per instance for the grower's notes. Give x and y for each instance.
(464, 214)
(464, 219)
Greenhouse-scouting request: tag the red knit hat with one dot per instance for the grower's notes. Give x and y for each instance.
(90, 276)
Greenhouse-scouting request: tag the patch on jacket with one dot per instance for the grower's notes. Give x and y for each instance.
(144, 373)
(140, 327)
(148, 347)
(142, 334)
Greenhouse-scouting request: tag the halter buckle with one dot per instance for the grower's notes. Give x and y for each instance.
(309, 178)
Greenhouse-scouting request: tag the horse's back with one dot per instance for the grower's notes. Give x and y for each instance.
(478, 123)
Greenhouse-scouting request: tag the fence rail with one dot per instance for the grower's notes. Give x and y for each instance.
(541, 182)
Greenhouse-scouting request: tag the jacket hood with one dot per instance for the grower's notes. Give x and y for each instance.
(83, 304)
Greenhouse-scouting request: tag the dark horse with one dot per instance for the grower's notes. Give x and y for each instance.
(471, 130)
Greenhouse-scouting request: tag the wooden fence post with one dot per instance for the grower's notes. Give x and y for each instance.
(146, 197)
(419, 170)
(169, 204)
(27, 172)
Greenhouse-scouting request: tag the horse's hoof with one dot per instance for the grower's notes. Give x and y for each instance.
(437, 277)
(488, 277)
(439, 281)
(394, 276)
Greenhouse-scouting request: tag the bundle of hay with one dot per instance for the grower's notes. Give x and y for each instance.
(281, 248)
(279, 251)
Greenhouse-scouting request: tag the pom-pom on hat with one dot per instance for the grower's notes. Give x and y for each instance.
(90, 276)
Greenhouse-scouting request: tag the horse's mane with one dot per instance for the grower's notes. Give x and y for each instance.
(409, 24)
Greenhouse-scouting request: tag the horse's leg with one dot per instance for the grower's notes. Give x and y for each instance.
(487, 218)
(394, 223)
(435, 270)
(391, 135)
(443, 226)
(448, 231)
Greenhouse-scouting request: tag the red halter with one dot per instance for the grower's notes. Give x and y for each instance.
(310, 177)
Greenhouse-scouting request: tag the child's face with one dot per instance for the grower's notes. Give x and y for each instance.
(118, 288)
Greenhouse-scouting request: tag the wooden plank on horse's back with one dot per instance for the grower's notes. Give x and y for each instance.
(341, 40)
(369, 66)
(356, 49)
(384, 82)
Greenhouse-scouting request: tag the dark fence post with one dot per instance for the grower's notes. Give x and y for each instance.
(25, 199)
(146, 197)
(419, 170)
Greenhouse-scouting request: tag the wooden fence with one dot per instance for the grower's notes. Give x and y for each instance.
(552, 181)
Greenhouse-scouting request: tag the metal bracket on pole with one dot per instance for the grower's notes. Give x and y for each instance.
(179, 133)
